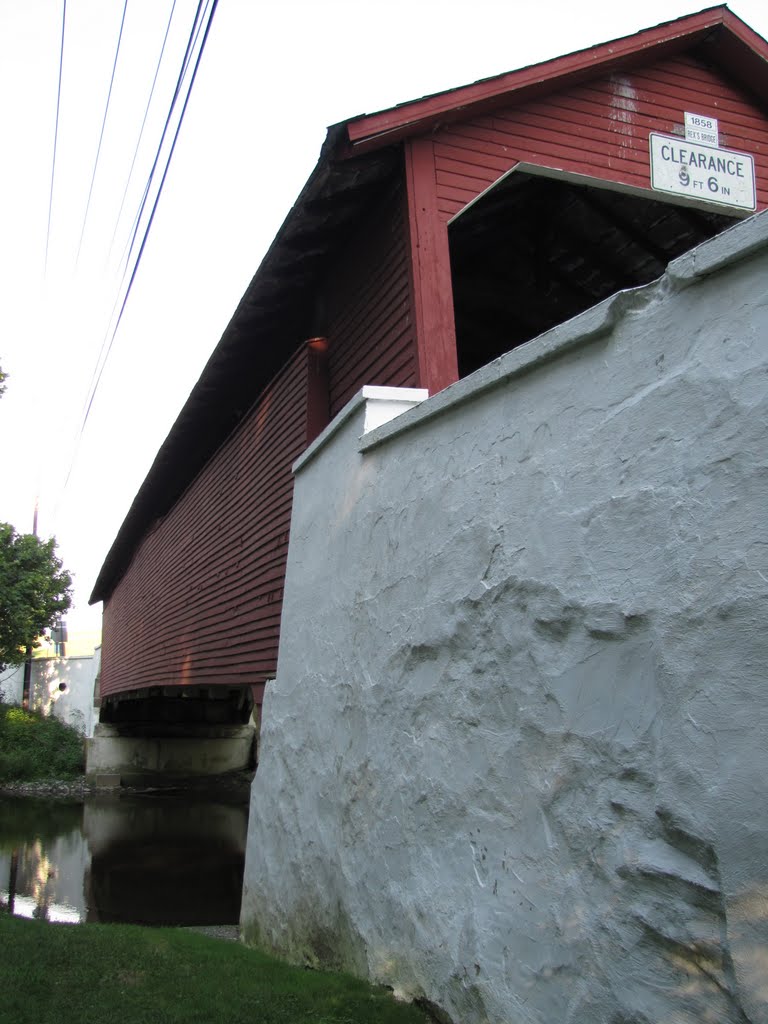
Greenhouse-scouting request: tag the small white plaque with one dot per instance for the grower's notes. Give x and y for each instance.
(703, 129)
(714, 175)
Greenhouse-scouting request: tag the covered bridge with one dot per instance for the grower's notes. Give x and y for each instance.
(430, 239)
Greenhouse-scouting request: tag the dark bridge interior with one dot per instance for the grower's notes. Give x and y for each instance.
(534, 252)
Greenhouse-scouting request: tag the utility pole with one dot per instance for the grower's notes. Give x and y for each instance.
(27, 684)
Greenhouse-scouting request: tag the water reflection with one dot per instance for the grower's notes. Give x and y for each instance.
(160, 859)
(42, 860)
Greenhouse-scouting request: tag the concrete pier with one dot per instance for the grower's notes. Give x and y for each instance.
(122, 753)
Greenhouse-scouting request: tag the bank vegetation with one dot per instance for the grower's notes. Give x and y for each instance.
(35, 747)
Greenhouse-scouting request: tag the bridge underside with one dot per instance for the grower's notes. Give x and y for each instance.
(162, 735)
(178, 705)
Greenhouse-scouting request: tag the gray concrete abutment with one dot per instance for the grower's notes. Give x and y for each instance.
(127, 756)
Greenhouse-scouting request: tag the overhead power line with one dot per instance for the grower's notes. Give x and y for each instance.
(154, 206)
(56, 130)
(106, 344)
(204, 16)
(143, 125)
(103, 125)
(193, 37)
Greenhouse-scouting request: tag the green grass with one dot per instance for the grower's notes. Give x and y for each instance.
(34, 747)
(102, 974)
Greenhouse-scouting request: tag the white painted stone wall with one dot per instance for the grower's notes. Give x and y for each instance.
(514, 762)
(63, 687)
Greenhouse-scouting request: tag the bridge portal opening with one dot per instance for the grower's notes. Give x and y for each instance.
(535, 250)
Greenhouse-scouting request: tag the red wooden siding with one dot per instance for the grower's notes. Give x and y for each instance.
(368, 307)
(599, 129)
(201, 600)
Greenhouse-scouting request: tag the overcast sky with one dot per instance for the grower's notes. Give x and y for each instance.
(273, 76)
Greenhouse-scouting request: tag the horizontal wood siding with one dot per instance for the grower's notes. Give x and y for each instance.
(201, 600)
(599, 129)
(368, 306)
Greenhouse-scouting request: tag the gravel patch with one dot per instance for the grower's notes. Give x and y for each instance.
(233, 786)
(64, 789)
(225, 932)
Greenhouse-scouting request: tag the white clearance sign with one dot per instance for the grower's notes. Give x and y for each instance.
(702, 172)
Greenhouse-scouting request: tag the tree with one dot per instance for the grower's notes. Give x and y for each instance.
(34, 591)
(3, 378)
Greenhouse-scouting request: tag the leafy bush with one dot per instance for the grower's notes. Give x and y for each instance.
(34, 747)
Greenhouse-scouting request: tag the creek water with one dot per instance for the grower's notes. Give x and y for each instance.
(156, 859)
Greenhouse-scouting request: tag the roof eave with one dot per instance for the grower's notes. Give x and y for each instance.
(204, 421)
(728, 40)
